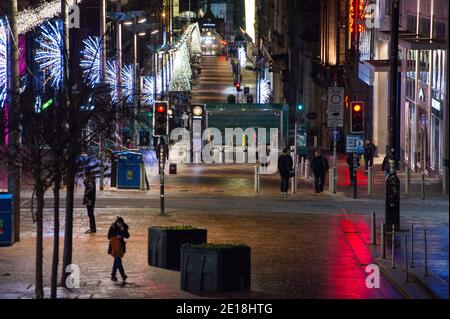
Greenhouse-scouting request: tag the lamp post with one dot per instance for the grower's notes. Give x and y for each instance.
(392, 181)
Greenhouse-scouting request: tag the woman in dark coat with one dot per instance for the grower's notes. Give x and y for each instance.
(117, 246)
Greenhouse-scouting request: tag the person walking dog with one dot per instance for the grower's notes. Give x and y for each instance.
(117, 234)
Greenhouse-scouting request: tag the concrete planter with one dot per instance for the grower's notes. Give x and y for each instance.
(212, 269)
(164, 245)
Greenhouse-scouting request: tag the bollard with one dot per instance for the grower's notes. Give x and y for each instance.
(370, 181)
(423, 186)
(295, 181)
(373, 232)
(307, 173)
(445, 181)
(426, 251)
(406, 257)
(302, 166)
(383, 240)
(412, 245)
(257, 180)
(407, 179)
(393, 246)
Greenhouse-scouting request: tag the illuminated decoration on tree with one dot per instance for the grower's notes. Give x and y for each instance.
(159, 83)
(194, 38)
(90, 61)
(31, 18)
(242, 57)
(3, 62)
(111, 79)
(265, 91)
(182, 72)
(128, 82)
(148, 90)
(49, 55)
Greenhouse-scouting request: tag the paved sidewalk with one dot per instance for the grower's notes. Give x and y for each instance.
(293, 255)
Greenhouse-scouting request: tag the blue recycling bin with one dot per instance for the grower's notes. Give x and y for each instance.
(129, 170)
(6, 220)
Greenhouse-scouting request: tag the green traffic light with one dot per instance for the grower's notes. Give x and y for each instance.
(300, 107)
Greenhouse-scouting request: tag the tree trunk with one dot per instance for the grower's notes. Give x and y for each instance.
(71, 164)
(68, 232)
(13, 117)
(39, 290)
(55, 260)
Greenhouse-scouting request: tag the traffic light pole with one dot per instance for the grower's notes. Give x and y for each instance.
(334, 177)
(392, 181)
(162, 166)
(355, 176)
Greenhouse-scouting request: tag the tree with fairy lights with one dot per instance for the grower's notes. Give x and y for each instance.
(53, 136)
(182, 72)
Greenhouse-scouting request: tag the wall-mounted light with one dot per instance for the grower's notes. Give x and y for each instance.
(142, 20)
(142, 34)
(128, 23)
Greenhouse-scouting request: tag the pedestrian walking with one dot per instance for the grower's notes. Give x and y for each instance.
(89, 200)
(319, 167)
(351, 168)
(117, 234)
(285, 168)
(369, 153)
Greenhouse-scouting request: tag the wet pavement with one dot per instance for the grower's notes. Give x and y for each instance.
(293, 255)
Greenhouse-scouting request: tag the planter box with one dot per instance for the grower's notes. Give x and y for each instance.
(164, 245)
(215, 269)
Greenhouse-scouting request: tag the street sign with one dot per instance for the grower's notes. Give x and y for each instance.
(334, 134)
(336, 103)
(355, 143)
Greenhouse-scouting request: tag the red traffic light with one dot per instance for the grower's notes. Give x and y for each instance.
(161, 108)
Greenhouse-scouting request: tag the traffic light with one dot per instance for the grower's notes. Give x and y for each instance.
(238, 86)
(299, 107)
(357, 117)
(160, 119)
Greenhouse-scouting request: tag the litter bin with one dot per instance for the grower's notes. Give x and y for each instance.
(173, 169)
(6, 220)
(129, 169)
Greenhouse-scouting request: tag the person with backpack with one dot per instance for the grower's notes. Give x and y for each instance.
(319, 167)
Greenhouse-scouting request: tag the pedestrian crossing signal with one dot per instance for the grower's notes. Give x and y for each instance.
(160, 119)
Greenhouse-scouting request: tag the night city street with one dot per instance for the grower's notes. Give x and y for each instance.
(224, 154)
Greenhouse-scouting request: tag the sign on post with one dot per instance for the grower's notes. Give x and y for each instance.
(336, 103)
(355, 144)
